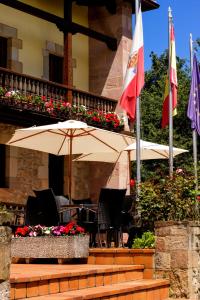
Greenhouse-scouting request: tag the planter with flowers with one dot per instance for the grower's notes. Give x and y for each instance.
(61, 109)
(60, 242)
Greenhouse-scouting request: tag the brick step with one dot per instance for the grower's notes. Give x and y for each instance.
(145, 289)
(124, 256)
(34, 280)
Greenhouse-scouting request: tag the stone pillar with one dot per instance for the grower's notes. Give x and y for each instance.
(106, 67)
(177, 257)
(5, 256)
(107, 70)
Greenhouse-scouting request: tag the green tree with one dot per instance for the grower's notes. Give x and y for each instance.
(151, 114)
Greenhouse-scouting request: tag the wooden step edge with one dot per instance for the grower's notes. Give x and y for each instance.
(99, 269)
(104, 291)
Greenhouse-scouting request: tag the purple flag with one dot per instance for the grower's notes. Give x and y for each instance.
(193, 111)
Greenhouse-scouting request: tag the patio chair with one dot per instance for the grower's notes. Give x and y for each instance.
(33, 214)
(42, 209)
(109, 215)
(64, 215)
(86, 217)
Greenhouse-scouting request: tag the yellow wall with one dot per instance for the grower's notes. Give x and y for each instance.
(34, 33)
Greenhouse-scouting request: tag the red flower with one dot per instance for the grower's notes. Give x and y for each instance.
(132, 182)
(80, 229)
(22, 231)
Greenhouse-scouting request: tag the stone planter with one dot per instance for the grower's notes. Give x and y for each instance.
(62, 247)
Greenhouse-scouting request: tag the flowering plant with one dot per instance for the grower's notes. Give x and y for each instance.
(62, 109)
(70, 229)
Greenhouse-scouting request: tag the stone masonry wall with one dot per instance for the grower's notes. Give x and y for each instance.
(107, 70)
(25, 169)
(5, 260)
(106, 67)
(90, 177)
(177, 257)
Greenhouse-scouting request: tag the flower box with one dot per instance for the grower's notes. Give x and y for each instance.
(50, 247)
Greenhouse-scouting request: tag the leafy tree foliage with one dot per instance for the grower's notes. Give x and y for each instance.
(151, 114)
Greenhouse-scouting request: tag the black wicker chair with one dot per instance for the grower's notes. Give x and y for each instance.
(45, 209)
(86, 217)
(109, 215)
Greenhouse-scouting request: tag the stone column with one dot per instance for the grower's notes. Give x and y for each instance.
(177, 257)
(5, 256)
(106, 67)
(106, 75)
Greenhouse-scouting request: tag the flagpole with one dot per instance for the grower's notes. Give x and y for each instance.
(170, 99)
(138, 160)
(194, 133)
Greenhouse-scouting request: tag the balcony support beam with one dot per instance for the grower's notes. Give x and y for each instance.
(67, 66)
(66, 26)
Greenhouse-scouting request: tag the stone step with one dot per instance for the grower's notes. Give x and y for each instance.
(33, 279)
(124, 256)
(145, 289)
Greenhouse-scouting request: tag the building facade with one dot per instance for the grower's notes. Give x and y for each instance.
(77, 49)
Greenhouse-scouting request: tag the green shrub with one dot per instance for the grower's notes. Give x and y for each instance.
(168, 199)
(146, 241)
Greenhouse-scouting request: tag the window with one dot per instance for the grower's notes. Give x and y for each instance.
(3, 52)
(55, 68)
(2, 166)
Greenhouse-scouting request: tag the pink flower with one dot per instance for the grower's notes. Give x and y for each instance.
(178, 171)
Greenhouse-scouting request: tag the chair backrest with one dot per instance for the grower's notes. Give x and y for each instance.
(111, 204)
(62, 200)
(85, 214)
(127, 210)
(48, 207)
(33, 214)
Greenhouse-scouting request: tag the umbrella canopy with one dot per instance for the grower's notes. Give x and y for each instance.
(148, 151)
(151, 150)
(68, 138)
(58, 138)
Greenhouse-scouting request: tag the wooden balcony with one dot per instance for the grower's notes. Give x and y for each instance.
(32, 86)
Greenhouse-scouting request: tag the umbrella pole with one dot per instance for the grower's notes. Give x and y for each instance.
(129, 165)
(70, 169)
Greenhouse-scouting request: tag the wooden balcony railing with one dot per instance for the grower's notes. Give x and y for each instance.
(28, 85)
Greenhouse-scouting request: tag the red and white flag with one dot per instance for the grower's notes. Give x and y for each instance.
(134, 79)
(173, 83)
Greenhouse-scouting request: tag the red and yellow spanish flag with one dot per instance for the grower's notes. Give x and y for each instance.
(173, 83)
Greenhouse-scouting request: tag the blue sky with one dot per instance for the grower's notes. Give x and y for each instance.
(155, 25)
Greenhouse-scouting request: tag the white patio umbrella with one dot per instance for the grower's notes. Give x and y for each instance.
(149, 150)
(68, 138)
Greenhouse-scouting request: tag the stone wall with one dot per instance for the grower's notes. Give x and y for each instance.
(106, 67)
(177, 257)
(90, 177)
(25, 169)
(5, 256)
